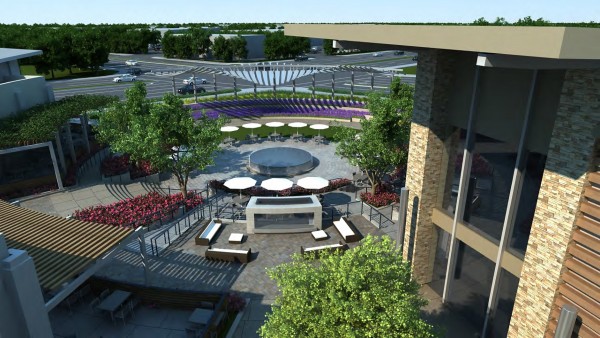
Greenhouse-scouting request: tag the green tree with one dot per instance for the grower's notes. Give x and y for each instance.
(328, 47)
(238, 47)
(222, 49)
(200, 40)
(366, 292)
(165, 134)
(382, 144)
(279, 46)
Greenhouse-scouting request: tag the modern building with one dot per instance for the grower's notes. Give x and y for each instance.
(18, 92)
(503, 213)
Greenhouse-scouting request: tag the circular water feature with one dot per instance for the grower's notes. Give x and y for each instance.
(280, 161)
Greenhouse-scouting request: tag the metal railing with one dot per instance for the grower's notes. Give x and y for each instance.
(375, 216)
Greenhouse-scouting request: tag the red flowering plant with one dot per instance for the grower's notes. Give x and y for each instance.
(115, 165)
(140, 210)
(383, 196)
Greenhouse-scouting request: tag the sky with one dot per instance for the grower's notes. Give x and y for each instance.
(297, 11)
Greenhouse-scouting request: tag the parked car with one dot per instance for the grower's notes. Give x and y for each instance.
(134, 71)
(189, 89)
(301, 57)
(131, 62)
(398, 52)
(376, 54)
(415, 58)
(125, 78)
(190, 80)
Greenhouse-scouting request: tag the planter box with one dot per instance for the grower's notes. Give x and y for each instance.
(120, 179)
(154, 178)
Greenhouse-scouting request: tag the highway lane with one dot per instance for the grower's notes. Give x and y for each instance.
(159, 74)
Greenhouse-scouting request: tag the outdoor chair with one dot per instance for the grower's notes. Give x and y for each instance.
(84, 291)
(123, 313)
(71, 301)
(104, 294)
(94, 303)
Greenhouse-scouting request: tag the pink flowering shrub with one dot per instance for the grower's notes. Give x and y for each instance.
(140, 210)
(117, 165)
(380, 199)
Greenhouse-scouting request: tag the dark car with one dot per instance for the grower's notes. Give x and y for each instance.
(189, 89)
(301, 57)
(135, 71)
(398, 52)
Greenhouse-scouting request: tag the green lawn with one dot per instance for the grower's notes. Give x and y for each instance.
(410, 70)
(64, 74)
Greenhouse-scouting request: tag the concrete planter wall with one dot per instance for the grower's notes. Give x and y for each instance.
(117, 179)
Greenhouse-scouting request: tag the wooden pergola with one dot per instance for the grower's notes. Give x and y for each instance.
(61, 248)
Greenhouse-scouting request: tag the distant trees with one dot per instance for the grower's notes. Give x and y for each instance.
(226, 49)
(193, 43)
(279, 46)
(328, 47)
(83, 46)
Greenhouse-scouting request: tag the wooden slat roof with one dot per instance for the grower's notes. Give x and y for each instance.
(60, 248)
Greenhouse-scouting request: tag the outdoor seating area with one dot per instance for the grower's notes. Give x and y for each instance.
(344, 227)
(208, 232)
(118, 304)
(228, 255)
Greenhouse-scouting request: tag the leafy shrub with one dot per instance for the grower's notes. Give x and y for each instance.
(118, 165)
(380, 199)
(140, 210)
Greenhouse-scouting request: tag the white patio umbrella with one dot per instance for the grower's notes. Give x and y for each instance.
(251, 126)
(319, 127)
(297, 125)
(229, 129)
(274, 125)
(240, 183)
(277, 184)
(313, 183)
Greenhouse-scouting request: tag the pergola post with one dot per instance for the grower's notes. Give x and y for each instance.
(255, 95)
(274, 87)
(84, 129)
(55, 166)
(235, 88)
(144, 256)
(352, 86)
(372, 81)
(313, 86)
(215, 84)
(194, 85)
(61, 154)
(332, 86)
(70, 143)
(294, 88)
(173, 81)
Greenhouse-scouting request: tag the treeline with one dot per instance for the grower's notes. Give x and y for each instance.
(79, 46)
(194, 43)
(280, 46)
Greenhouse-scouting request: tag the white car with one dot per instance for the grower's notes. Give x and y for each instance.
(190, 80)
(131, 62)
(124, 78)
(377, 54)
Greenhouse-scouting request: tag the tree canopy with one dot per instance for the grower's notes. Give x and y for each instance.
(279, 46)
(365, 292)
(382, 144)
(165, 134)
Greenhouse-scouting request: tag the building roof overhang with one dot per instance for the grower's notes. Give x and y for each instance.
(562, 43)
(10, 54)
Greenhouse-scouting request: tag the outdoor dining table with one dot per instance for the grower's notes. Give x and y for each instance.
(200, 316)
(114, 301)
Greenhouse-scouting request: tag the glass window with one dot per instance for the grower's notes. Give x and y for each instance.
(489, 185)
(283, 221)
(532, 180)
(471, 285)
(440, 262)
(507, 290)
(453, 151)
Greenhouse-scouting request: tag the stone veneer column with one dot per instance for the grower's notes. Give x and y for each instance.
(569, 159)
(424, 177)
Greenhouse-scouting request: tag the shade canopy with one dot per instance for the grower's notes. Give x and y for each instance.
(251, 125)
(229, 128)
(297, 124)
(319, 126)
(275, 124)
(277, 184)
(240, 183)
(313, 183)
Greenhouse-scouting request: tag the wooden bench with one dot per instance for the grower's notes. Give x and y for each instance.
(343, 227)
(228, 255)
(331, 247)
(210, 230)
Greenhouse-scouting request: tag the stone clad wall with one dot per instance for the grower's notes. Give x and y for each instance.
(570, 157)
(425, 169)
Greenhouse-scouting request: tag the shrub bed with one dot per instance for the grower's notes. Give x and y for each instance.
(380, 199)
(140, 210)
(120, 164)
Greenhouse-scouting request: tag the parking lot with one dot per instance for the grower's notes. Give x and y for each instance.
(161, 74)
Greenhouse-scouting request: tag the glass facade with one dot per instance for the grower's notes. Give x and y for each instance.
(454, 148)
(441, 261)
(284, 221)
(507, 290)
(471, 285)
(489, 185)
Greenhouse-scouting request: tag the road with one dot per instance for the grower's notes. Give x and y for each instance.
(160, 72)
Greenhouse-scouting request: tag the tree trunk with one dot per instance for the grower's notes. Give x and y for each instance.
(182, 186)
(52, 72)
